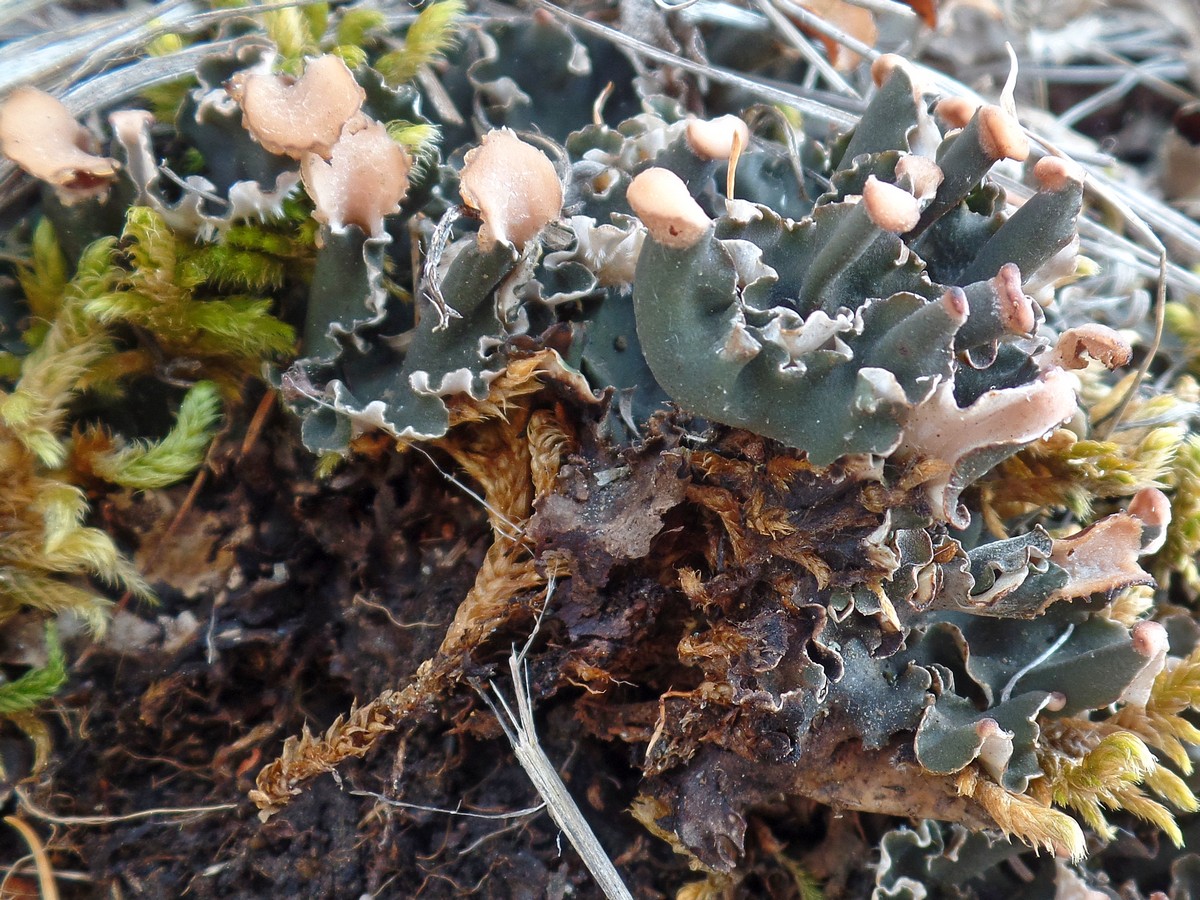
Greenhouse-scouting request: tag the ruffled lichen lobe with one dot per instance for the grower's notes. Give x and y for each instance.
(942, 430)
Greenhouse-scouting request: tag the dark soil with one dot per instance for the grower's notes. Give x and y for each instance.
(307, 597)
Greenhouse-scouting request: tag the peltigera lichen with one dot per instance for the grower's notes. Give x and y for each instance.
(806, 483)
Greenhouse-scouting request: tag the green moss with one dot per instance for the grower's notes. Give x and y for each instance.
(43, 280)
(190, 300)
(431, 35)
(37, 685)
(159, 464)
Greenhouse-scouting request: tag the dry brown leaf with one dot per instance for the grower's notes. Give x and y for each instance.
(926, 9)
(857, 22)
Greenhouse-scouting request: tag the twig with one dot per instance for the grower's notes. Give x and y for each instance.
(187, 188)
(886, 6)
(257, 422)
(521, 732)
(675, 5)
(188, 502)
(1099, 100)
(13, 869)
(1146, 75)
(1161, 71)
(814, 56)
(13, 10)
(1113, 419)
(1035, 662)
(806, 105)
(491, 835)
(1106, 191)
(823, 26)
(50, 53)
(430, 286)
(360, 600)
(765, 110)
(59, 874)
(1152, 218)
(1101, 243)
(516, 814)
(517, 531)
(191, 21)
(718, 13)
(184, 508)
(111, 87)
(551, 583)
(28, 806)
(46, 882)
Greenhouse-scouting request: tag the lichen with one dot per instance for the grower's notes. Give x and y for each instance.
(794, 423)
